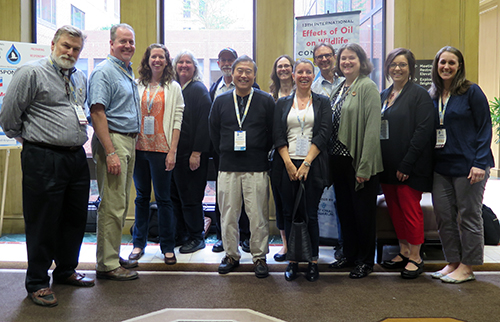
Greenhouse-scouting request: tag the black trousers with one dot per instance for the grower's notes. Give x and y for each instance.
(244, 223)
(356, 211)
(187, 192)
(55, 203)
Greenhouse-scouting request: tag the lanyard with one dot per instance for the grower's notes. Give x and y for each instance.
(149, 100)
(67, 80)
(123, 69)
(296, 108)
(442, 109)
(186, 84)
(237, 110)
(344, 91)
(386, 102)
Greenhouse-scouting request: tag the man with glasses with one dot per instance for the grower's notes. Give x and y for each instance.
(328, 84)
(45, 110)
(227, 56)
(241, 126)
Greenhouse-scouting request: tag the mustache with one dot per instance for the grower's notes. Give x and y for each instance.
(72, 59)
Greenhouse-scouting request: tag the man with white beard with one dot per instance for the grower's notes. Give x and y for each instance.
(45, 110)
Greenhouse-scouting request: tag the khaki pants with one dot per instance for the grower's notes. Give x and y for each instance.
(114, 191)
(252, 188)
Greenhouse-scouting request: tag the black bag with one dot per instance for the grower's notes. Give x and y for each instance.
(153, 232)
(491, 227)
(299, 242)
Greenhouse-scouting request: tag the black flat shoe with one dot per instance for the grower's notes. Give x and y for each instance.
(291, 271)
(341, 263)
(361, 271)
(312, 274)
(280, 257)
(393, 265)
(407, 274)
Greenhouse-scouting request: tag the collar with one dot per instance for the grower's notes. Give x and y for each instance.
(222, 84)
(119, 62)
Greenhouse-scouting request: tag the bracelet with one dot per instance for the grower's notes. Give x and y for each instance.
(110, 154)
(307, 164)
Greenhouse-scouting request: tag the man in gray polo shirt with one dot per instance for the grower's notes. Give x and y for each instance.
(115, 110)
(44, 109)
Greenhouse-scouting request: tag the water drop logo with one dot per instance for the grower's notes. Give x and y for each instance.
(13, 56)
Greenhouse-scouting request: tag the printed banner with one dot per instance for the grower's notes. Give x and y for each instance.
(13, 55)
(335, 29)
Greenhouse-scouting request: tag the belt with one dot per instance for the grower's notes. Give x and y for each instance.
(132, 135)
(55, 147)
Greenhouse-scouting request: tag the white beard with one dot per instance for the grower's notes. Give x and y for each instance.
(64, 61)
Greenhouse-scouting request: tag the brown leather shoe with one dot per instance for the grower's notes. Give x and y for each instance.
(136, 256)
(118, 274)
(77, 279)
(128, 263)
(44, 297)
(170, 260)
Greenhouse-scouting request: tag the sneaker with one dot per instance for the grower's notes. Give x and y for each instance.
(260, 268)
(228, 264)
(192, 246)
(44, 297)
(218, 247)
(245, 245)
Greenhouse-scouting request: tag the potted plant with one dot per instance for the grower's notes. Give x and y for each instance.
(495, 116)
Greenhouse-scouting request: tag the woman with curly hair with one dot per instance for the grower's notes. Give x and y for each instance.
(162, 107)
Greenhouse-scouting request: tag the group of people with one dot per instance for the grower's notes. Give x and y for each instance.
(161, 128)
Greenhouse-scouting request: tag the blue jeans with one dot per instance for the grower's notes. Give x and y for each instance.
(151, 165)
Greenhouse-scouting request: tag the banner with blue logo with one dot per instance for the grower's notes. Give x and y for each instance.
(12, 55)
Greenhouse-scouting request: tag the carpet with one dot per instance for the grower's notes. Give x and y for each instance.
(334, 297)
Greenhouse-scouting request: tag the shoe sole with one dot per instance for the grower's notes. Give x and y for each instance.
(261, 275)
(190, 250)
(40, 302)
(226, 271)
(105, 277)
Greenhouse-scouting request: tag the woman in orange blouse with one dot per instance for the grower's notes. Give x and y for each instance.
(162, 107)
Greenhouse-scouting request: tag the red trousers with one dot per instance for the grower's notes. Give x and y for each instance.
(407, 217)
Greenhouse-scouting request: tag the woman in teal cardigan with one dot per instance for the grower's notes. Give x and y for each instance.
(356, 159)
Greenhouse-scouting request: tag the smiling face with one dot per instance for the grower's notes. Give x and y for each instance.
(448, 66)
(349, 64)
(123, 47)
(324, 59)
(185, 68)
(399, 70)
(157, 61)
(244, 77)
(284, 69)
(303, 76)
(226, 60)
(66, 51)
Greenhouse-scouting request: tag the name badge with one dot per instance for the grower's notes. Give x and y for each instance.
(240, 140)
(440, 138)
(384, 130)
(303, 145)
(82, 119)
(149, 125)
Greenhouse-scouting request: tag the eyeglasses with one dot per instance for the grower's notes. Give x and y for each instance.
(400, 65)
(325, 56)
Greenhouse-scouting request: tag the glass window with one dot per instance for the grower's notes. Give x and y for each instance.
(77, 18)
(224, 23)
(46, 11)
(83, 65)
(187, 9)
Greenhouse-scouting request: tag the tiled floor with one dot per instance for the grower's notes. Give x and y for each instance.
(11, 249)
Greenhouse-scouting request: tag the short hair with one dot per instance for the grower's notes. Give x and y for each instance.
(322, 44)
(114, 28)
(275, 86)
(303, 61)
(197, 76)
(242, 59)
(366, 66)
(69, 30)
(459, 85)
(145, 73)
(395, 53)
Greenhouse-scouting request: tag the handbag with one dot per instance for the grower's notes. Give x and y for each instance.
(299, 242)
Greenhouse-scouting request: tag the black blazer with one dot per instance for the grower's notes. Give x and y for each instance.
(322, 129)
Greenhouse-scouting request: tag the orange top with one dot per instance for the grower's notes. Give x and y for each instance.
(156, 142)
